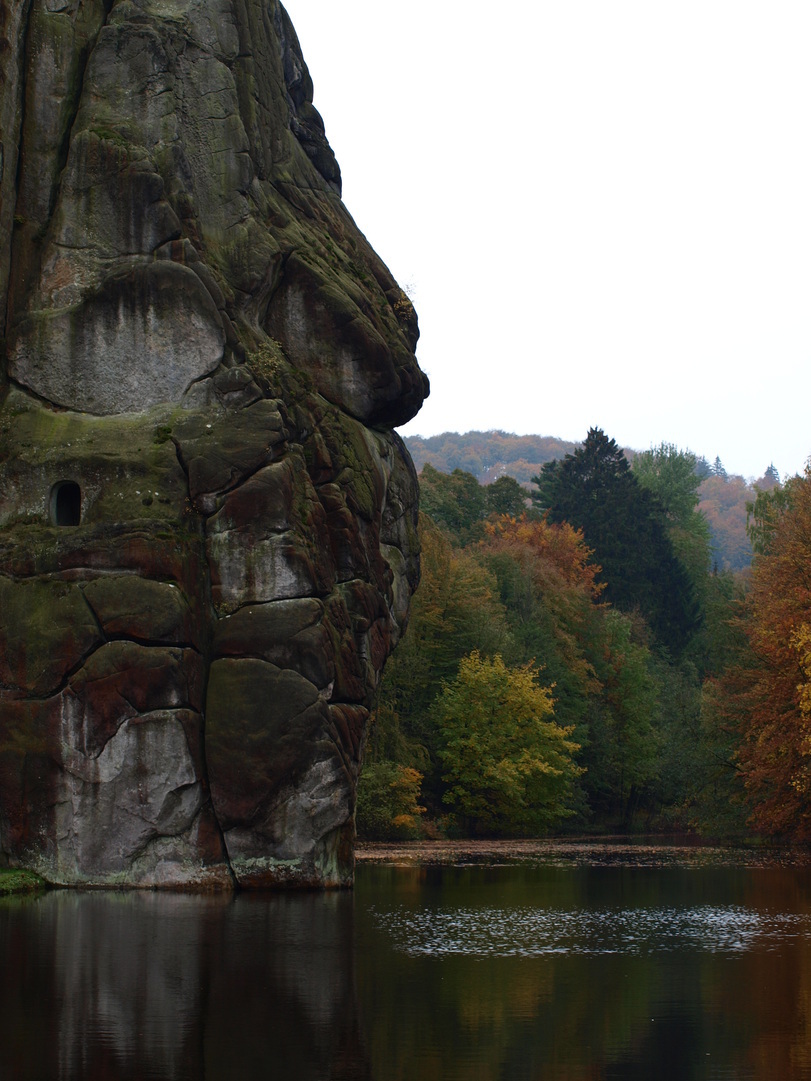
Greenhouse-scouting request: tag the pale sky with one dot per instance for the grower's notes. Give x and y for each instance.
(600, 208)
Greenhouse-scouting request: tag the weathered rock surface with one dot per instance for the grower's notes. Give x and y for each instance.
(207, 523)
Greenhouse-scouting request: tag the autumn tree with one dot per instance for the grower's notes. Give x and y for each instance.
(508, 766)
(548, 586)
(605, 681)
(723, 503)
(764, 694)
(455, 610)
(480, 453)
(388, 802)
(529, 589)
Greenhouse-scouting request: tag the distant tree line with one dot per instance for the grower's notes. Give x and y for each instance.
(491, 456)
(487, 455)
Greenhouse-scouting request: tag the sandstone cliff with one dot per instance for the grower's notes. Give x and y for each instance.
(207, 524)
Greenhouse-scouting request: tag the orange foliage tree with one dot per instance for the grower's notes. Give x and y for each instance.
(549, 588)
(766, 693)
(559, 546)
(723, 502)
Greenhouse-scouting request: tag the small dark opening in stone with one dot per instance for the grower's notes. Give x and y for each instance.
(66, 503)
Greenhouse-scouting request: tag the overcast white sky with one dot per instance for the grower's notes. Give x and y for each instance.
(601, 209)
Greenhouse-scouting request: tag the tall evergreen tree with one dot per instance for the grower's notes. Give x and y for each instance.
(594, 490)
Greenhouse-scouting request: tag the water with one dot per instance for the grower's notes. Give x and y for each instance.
(559, 971)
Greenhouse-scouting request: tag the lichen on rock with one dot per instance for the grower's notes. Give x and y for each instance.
(207, 523)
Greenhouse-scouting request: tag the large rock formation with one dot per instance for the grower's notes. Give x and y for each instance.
(207, 524)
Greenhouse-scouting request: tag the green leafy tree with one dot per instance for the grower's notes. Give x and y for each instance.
(454, 501)
(720, 636)
(595, 490)
(547, 585)
(765, 512)
(508, 766)
(670, 475)
(622, 758)
(505, 496)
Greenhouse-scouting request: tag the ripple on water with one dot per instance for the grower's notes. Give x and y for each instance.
(534, 932)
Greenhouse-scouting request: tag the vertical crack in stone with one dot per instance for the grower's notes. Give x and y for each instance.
(12, 105)
(29, 235)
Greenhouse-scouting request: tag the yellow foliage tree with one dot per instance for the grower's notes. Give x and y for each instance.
(509, 767)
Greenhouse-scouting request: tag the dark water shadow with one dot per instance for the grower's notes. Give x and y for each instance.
(145, 985)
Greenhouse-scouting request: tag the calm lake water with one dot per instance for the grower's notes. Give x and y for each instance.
(687, 966)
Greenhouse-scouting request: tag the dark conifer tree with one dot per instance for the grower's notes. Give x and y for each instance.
(595, 490)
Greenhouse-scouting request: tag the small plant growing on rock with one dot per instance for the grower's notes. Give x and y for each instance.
(163, 433)
(268, 362)
(403, 308)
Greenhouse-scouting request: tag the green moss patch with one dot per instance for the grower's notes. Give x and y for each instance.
(14, 881)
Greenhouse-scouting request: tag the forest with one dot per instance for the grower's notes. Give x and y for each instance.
(579, 659)
(722, 496)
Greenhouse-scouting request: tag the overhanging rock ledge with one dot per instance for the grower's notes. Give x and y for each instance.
(207, 523)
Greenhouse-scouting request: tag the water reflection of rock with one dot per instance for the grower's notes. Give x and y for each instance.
(174, 987)
(282, 990)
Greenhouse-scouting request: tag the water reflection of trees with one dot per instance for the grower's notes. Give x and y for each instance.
(771, 999)
(673, 1015)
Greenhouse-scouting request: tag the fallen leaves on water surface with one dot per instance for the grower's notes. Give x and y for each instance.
(613, 851)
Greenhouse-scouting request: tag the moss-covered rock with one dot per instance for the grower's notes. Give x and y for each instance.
(147, 611)
(47, 630)
(207, 525)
